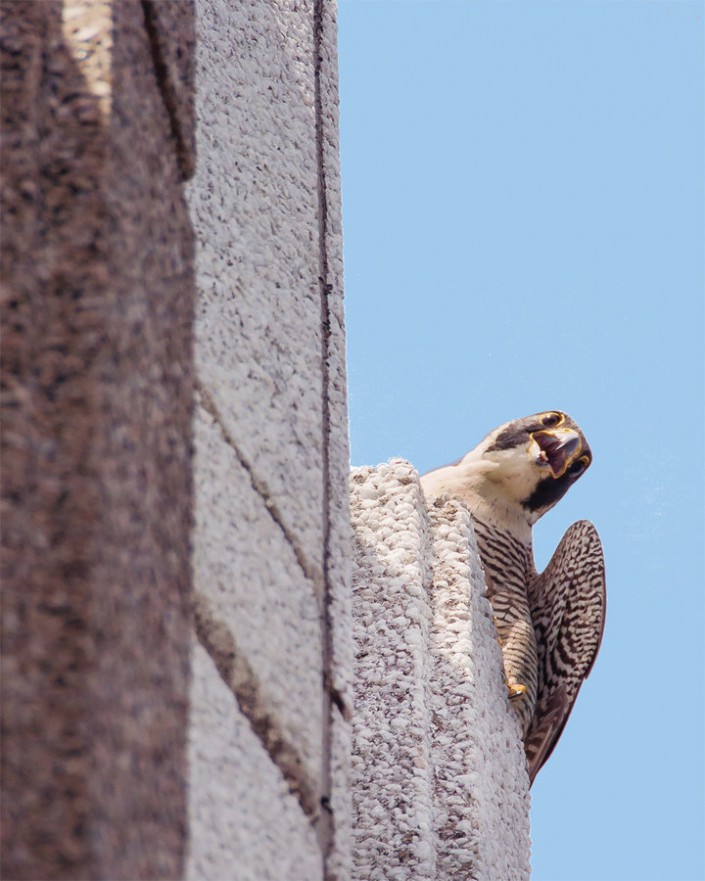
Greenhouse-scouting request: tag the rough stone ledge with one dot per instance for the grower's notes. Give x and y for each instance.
(440, 787)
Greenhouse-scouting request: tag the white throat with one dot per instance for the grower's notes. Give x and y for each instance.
(491, 488)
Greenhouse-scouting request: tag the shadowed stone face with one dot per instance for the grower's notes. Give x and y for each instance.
(97, 318)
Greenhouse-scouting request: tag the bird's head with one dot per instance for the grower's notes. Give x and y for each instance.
(530, 463)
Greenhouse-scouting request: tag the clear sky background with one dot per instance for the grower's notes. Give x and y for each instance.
(523, 188)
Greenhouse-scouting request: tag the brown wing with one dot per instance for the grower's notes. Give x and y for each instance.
(567, 602)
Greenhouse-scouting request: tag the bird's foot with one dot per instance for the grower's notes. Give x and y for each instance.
(515, 690)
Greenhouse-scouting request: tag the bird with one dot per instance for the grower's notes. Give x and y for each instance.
(549, 625)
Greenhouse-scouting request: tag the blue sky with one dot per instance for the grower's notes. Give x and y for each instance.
(523, 196)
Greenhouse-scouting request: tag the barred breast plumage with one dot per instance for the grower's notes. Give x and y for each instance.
(508, 566)
(549, 625)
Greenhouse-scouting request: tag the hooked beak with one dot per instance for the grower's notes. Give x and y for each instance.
(557, 448)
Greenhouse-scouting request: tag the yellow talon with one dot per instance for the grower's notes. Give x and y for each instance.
(516, 691)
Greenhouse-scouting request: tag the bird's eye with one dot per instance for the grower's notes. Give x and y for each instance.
(550, 420)
(579, 466)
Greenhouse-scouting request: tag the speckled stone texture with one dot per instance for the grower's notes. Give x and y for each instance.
(440, 788)
(97, 309)
(255, 204)
(249, 581)
(271, 838)
(272, 539)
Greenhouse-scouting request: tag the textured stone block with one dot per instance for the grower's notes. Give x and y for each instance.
(481, 785)
(254, 602)
(271, 362)
(245, 825)
(393, 834)
(255, 208)
(440, 787)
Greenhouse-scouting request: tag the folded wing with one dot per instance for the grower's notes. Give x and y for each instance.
(567, 603)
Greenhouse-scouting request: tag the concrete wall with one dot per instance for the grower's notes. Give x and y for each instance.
(269, 738)
(97, 374)
(440, 785)
(137, 716)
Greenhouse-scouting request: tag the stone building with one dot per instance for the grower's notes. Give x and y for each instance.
(209, 671)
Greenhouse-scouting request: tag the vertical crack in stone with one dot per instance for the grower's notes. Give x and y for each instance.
(325, 824)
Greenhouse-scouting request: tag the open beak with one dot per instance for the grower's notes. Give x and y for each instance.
(557, 448)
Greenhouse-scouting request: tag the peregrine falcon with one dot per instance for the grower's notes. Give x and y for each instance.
(549, 625)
